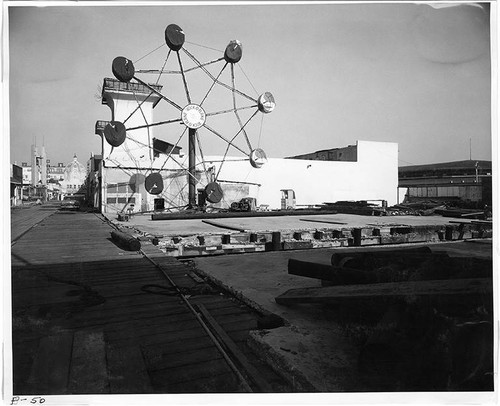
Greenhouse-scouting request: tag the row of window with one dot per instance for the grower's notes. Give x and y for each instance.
(119, 188)
(445, 191)
(120, 200)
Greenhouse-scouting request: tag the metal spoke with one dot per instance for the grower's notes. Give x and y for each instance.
(138, 107)
(176, 144)
(231, 110)
(213, 83)
(223, 138)
(236, 111)
(201, 151)
(184, 78)
(227, 149)
(146, 121)
(176, 120)
(158, 93)
(163, 67)
(149, 53)
(218, 82)
(178, 72)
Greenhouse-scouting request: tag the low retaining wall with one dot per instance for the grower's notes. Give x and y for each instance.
(229, 242)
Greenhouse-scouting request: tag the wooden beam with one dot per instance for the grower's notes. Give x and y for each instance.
(417, 252)
(337, 275)
(235, 351)
(126, 241)
(387, 290)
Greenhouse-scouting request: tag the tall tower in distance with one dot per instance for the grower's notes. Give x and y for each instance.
(38, 166)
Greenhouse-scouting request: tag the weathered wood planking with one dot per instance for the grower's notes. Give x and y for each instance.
(88, 371)
(50, 370)
(69, 276)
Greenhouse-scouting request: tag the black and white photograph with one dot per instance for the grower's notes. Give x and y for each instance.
(283, 202)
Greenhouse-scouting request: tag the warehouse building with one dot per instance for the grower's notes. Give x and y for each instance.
(466, 182)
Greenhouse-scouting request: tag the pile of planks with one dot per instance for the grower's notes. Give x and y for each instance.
(463, 213)
(423, 312)
(360, 207)
(421, 208)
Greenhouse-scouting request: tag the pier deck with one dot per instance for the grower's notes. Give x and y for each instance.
(89, 317)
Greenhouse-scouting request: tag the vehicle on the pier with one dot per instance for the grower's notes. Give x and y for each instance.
(245, 204)
(71, 202)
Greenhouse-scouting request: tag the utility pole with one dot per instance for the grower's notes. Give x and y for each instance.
(192, 169)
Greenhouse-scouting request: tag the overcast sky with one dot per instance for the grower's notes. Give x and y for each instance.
(406, 73)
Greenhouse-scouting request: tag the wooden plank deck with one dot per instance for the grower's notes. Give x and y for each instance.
(74, 289)
(23, 218)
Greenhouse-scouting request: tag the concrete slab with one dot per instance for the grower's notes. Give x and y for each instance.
(311, 343)
(283, 223)
(169, 228)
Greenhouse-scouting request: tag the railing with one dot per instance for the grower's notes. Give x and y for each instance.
(114, 84)
(100, 125)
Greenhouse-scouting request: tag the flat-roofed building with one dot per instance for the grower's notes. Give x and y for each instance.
(466, 181)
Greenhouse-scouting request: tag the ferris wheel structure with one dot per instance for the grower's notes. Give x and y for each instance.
(196, 112)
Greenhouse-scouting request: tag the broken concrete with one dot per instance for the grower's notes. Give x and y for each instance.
(311, 350)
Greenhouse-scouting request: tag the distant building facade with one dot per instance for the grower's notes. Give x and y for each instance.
(467, 181)
(93, 181)
(44, 181)
(75, 175)
(16, 185)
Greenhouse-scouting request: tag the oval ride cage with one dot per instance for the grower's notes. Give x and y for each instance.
(207, 106)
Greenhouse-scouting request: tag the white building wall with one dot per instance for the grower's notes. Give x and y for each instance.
(373, 177)
(135, 150)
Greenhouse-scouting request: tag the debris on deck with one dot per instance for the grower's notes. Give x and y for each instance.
(426, 317)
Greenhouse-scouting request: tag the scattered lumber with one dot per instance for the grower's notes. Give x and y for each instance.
(336, 275)
(126, 241)
(462, 213)
(329, 294)
(379, 266)
(360, 207)
(421, 208)
(415, 312)
(363, 255)
(485, 222)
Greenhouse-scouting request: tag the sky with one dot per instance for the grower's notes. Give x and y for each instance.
(414, 74)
